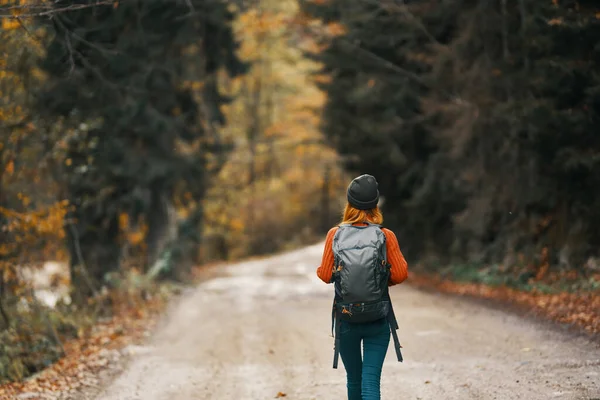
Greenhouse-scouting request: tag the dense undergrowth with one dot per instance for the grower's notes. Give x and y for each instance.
(37, 334)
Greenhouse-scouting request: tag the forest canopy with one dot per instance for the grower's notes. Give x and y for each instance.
(481, 120)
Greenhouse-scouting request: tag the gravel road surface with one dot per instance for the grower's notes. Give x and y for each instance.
(261, 330)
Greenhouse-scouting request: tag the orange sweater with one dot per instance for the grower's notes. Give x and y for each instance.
(399, 270)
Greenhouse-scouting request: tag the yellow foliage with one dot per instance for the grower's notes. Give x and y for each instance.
(136, 238)
(237, 225)
(41, 229)
(9, 24)
(12, 23)
(123, 221)
(10, 167)
(287, 155)
(336, 29)
(555, 21)
(32, 219)
(134, 234)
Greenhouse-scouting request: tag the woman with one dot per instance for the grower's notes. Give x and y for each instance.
(364, 372)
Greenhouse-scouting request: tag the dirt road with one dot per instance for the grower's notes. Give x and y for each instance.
(262, 328)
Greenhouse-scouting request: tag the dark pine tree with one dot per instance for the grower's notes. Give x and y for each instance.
(130, 73)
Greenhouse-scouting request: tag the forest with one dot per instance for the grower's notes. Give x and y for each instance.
(141, 139)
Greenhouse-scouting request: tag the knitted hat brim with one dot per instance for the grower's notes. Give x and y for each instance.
(362, 205)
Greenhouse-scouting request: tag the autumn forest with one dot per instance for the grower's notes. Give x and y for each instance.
(143, 139)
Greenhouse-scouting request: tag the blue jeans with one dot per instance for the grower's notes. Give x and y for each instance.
(363, 371)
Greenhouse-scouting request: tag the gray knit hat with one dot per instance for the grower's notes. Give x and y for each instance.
(363, 193)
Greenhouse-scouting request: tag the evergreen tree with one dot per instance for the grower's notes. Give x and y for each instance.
(478, 117)
(141, 77)
(375, 113)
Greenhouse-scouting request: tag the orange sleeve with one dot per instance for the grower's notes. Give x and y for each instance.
(399, 270)
(326, 268)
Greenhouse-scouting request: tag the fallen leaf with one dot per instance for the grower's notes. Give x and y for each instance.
(89, 352)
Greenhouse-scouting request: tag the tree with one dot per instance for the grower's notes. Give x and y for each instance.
(138, 78)
(273, 190)
(376, 59)
(477, 117)
(31, 208)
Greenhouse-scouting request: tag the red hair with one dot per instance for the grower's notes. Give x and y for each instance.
(353, 215)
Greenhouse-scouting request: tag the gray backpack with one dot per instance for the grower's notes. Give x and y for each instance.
(361, 273)
(360, 276)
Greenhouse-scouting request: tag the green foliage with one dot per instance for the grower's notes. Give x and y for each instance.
(32, 344)
(138, 78)
(375, 116)
(480, 120)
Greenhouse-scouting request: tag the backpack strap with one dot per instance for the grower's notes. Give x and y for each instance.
(393, 322)
(397, 344)
(336, 259)
(335, 325)
(335, 331)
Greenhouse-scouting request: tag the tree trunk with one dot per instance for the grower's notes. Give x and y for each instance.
(523, 11)
(2, 310)
(252, 133)
(505, 51)
(94, 249)
(158, 225)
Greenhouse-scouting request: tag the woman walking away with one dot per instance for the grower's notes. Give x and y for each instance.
(362, 260)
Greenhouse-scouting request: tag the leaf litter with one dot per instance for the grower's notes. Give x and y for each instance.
(86, 357)
(578, 309)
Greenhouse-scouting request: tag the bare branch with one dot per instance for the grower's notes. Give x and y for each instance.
(81, 266)
(70, 48)
(387, 63)
(31, 11)
(2, 310)
(190, 5)
(362, 51)
(401, 6)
